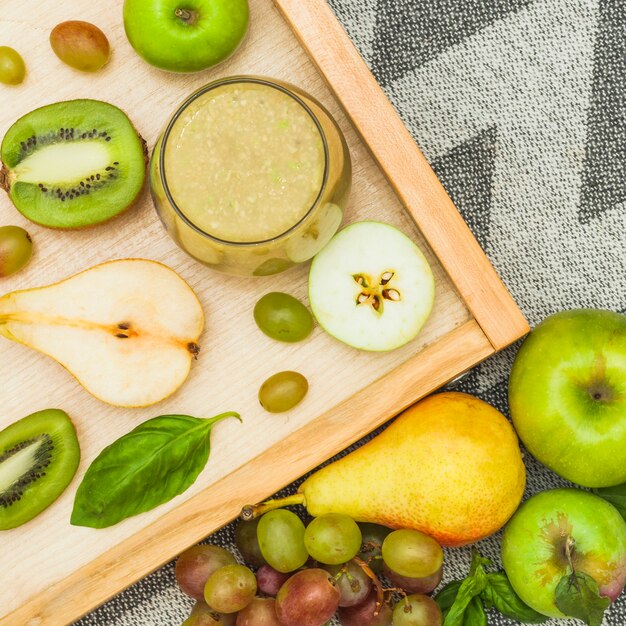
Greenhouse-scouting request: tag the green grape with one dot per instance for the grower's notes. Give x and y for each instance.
(281, 538)
(352, 582)
(417, 610)
(282, 317)
(372, 543)
(230, 589)
(282, 391)
(12, 68)
(333, 538)
(412, 554)
(248, 544)
(195, 565)
(426, 584)
(16, 248)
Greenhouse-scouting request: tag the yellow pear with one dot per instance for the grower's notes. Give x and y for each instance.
(449, 466)
(127, 330)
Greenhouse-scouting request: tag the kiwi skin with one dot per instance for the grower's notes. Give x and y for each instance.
(62, 206)
(51, 437)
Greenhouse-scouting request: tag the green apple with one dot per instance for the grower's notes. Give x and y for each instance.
(567, 395)
(559, 529)
(185, 35)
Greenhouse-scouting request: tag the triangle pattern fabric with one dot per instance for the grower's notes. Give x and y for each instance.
(604, 175)
(411, 32)
(466, 172)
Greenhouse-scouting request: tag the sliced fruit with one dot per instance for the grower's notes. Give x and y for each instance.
(127, 330)
(73, 164)
(39, 455)
(16, 248)
(371, 287)
(80, 45)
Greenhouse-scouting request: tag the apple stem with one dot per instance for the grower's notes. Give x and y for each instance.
(380, 592)
(252, 511)
(190, 17)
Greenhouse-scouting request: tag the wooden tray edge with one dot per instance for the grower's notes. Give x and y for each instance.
(217, 505)
(407, 170)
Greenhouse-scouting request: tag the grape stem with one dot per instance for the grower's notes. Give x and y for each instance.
(380, 592)
(252, 511)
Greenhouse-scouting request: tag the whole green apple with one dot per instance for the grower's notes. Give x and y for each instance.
(547, 527)
(185, 35)
(567, 395)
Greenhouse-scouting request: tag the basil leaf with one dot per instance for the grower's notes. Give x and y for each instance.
(446, 597)
(475, 614)
(615, 495)
(147, 467)
(500, 595)
(577, 595)
(470, 588)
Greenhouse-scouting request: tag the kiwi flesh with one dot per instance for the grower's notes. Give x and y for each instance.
(73, 164)
(39, 456)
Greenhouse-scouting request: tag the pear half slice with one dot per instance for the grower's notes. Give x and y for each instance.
(127, 329)
(371, 287)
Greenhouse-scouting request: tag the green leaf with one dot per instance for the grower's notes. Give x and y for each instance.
(478, 562)
(577, 595)
(615, 495)
(500, 595)
(471, 587)
(147, 467)
(446, 597)
(475, 613)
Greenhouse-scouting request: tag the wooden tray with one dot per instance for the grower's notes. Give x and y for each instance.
(52, 573)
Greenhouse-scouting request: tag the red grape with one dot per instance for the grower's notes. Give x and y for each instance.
(364, 614)
(269, 581)
(308, 598)
(260, 612)
(194, 566)
(427, 584)
(417, 610)
(353, 583)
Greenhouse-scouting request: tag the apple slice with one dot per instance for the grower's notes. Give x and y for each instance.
(127, 330)
(371, 287)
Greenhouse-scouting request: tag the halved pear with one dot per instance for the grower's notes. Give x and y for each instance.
(127, 329)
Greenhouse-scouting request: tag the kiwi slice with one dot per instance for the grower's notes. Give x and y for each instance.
(73, 164)
(39, 455)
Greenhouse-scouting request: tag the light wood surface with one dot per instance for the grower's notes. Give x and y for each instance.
(51, 572)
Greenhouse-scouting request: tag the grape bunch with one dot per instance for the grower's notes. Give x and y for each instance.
(304, 576)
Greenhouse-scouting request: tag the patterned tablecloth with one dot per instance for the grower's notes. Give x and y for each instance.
(520, 106)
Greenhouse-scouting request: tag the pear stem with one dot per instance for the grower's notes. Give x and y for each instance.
(252, 511)
(380, 592)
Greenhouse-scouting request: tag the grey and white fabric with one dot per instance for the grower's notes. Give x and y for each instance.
(520, 106)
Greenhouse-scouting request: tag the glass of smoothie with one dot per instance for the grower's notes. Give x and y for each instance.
(251, 176)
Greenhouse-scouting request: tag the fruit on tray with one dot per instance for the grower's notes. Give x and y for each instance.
(449, 466)
(373, 536)
(260, 612)
(80, 45)
(283, 317)
(269, 581)
(202, 615)
(72, 164)
(230, 588)
(417, 610)
(332, 539)
(39, 455)
(308, 598)
(560, 534)
(371, 287)
(113, 327)
(567, 395)
(155, 462)
(16, 248)
(283, 391)
(195, 565)
(185, 36)
(411, 584)
(12, 68)
(281, 538)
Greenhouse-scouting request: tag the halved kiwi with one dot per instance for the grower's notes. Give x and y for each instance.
(73, 164)
(39, 456)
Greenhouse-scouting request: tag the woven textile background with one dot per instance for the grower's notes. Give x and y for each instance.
(520, 106)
